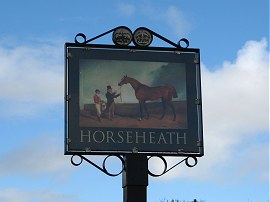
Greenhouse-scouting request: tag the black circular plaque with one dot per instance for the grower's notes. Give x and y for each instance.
(142, 37)
(122, 36)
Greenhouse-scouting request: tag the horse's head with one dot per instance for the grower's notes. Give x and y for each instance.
(124, 80)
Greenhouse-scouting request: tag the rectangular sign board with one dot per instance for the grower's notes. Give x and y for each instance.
(132, 101)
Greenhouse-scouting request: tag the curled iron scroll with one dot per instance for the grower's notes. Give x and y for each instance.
(191, 165)
(103, 169)
(185, 41)
(74, 161)
(78, 37)
(85, 41)
(165, 170)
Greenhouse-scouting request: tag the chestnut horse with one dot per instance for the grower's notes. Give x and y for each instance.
(144, 93)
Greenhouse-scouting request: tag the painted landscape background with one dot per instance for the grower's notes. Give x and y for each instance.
(97, 74)
(126, 115)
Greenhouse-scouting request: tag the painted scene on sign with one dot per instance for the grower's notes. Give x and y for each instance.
(132, 94)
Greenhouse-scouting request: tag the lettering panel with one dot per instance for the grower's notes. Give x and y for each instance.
(133, 139)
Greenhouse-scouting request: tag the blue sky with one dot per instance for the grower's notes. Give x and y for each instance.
(234, 40)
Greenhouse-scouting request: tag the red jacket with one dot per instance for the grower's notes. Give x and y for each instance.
(97, 99)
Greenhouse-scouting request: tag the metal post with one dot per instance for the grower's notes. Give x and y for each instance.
(135, 178)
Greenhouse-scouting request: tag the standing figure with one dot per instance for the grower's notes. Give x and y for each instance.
(98, 104)
(110, 101)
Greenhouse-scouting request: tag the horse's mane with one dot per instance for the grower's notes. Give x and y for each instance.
(140, 84)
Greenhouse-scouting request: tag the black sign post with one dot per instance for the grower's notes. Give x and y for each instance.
(135, 178)
(159, 112)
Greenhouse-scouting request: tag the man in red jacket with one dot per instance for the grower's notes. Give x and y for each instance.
(98, 103)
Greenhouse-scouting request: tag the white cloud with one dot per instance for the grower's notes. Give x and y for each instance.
(172, 17)
(37, 160)
(177, 21)
(235, 116)
(236, 96)
(31, 78)
(31, 74)
(18, 195)
(43, 155)
(126, 9)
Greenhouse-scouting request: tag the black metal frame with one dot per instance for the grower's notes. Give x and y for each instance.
(133, 188)
(121, 158)
(192, 148)
(178, 45)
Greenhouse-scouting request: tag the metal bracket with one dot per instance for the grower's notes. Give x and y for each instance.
(68, 141)
(183, 43)
(103, 168)
(168, 169)
(68, 97)
(200, 143)
(198, 101)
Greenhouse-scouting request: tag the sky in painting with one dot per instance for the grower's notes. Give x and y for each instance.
(233, 37)
(97, 74)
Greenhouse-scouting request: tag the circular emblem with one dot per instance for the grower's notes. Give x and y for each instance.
(122, 36)
(142, 37)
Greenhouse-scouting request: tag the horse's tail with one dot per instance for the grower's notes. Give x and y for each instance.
(174, 93)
